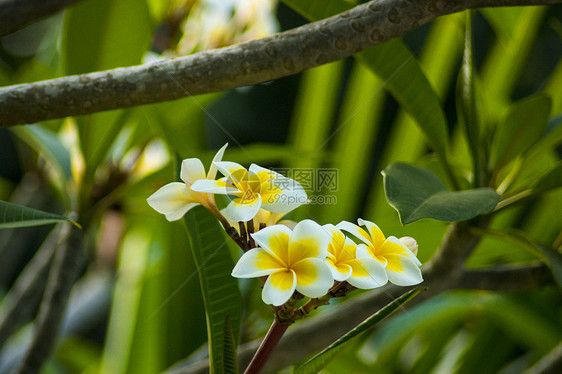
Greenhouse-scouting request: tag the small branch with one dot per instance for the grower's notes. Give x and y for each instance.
(16, 14)
(251, 241)
(243, 64)
(244, 236)
(266, 347)
(64, 270)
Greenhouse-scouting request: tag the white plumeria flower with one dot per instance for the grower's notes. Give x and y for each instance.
(175, 199)
(253, 189)
(353, 263)
(292, 260)
(401, 265)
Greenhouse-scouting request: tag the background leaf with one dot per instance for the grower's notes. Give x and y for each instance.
(417, 193)
(15, 215)
(220, 290)
(523, 125)
(316, 363)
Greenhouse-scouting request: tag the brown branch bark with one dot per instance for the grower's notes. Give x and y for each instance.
(16, 14)
(244, 64)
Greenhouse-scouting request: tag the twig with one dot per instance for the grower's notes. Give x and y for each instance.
(64, 270)
(243, 64)
(274, 335)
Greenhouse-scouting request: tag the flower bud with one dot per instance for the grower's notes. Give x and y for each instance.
(410, 243)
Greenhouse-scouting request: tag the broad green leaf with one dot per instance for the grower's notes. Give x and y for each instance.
(356, 130)
(554, 262)
(220, 290)
(319, 361)
(181, 123)
(229, 346)
(466, 105)
(47, 144)
(417, 193)
(523, 124)
(400, 70)
(14, 215)
(549, 181)
(552, 88)
(548, 255)
(503, 21)
(439, 59)
(403, 77)
(315, 106)
(504, 63)
(100, 35)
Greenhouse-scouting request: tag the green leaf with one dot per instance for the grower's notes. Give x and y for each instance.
(417, 193)
(358, 124)
(505, 61)
(523, 125)
(14, 215)
(393, 62)
(230, 361)
(548, 255)
(220, 290)
(319, 361)
(466, 105)
(100, 35)
(48, 144)
(549, 181)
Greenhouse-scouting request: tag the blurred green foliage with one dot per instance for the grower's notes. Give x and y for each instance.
(396, 102)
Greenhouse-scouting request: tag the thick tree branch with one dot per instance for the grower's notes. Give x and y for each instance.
(16, 14)
(244, 64)
(63, 273)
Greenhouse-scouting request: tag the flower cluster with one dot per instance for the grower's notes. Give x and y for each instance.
(292, 259)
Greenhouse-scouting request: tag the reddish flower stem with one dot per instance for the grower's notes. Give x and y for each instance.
(267, 346)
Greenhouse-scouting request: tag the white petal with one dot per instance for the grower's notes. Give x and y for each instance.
(377, 237)
(256, 262)
(228, 167)
(191, 170)
(237, 212)
(409, 273)
(218, 157)
(354, 230)
(171, 201)
(308, 239)
(367, 273)
(341, 272)
(404, 250)
(213, 186)
(279, 287)
(275, 239)
(284, 195)
(314, 277)
(364, 252)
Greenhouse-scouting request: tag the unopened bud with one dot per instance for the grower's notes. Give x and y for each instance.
(410, 243)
